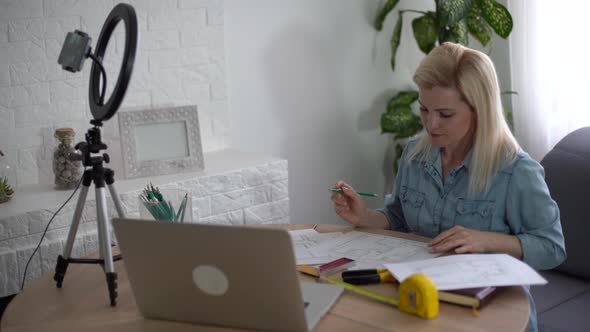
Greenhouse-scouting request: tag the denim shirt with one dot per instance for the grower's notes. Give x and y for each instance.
(517, 203)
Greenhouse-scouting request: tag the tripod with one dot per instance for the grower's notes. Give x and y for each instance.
(99, 175)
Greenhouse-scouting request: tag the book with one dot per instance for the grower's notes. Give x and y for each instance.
(329, 268)
(469, 297)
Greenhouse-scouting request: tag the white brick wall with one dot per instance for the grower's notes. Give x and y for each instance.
(252, 195)
(180, 61)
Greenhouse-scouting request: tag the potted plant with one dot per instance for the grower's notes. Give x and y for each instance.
(6, 191)
(452, 20)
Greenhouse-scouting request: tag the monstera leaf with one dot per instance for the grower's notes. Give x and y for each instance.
(402, 98)
(457, 33)
(399, 118)
(401, 122)
(395, 39)
(450, 12)
(497, 17)
(425, 31)
(477, 25)
(453, 21)
(382, 14)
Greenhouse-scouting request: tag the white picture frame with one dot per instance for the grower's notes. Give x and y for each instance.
(160, 141)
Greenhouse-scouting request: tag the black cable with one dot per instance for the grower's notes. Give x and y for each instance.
(104, 76)
(45, 231)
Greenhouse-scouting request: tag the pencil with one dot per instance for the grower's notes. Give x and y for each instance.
(358, 192)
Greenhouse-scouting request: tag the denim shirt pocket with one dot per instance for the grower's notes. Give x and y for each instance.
(412, 202)
(474, 214)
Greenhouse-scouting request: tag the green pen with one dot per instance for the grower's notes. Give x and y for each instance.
(184, 202)
(358, 192)
(173, 216)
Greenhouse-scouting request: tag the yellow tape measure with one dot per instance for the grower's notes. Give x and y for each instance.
(417, 295)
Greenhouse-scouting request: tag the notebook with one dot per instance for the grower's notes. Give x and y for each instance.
(219, 275)
(470, 297)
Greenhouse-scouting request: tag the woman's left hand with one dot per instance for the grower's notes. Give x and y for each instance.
(461, 240)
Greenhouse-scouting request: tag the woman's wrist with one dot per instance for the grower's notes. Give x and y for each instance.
(504, 243)
(374, 219)
(365, 219)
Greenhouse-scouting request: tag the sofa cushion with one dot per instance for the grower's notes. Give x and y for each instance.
(567, 173)
(571, 316)
(560, 289)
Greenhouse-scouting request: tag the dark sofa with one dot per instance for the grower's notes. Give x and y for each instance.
(564, 304)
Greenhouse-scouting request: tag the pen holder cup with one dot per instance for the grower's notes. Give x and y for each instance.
(161, 210)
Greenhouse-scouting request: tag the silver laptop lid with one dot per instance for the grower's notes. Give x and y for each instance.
(221, 275)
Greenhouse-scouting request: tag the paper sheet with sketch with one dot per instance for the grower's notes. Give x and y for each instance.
(470, 271)
(305, 239)
(371, 250)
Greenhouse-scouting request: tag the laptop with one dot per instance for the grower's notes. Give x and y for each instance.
(231, 276)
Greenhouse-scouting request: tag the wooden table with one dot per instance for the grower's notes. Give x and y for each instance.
(83, 305)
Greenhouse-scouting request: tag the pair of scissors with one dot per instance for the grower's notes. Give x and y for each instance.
(365, 277)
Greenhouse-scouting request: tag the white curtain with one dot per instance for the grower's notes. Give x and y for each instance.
(550, 66)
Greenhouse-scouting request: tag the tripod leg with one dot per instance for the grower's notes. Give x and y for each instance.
(119, 208)
(62, 260)
(109, 175)
(105, 243)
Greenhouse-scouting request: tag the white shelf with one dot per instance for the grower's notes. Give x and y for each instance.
(38, 197)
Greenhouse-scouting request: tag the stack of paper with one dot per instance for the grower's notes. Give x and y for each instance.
(404, 257)
(305, 239)
(470, 271)
(368, 250)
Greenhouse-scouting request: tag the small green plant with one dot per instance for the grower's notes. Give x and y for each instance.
(452, 20)
(6, 191)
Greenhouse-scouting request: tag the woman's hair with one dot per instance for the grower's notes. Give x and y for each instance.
(472, 73)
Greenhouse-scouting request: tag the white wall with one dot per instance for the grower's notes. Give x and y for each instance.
(180, 60)
(308, 81)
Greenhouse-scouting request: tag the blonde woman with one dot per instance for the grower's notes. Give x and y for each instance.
(465, 181)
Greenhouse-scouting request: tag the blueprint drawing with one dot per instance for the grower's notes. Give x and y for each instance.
(470, 271)
(372, 250)
(305, 239)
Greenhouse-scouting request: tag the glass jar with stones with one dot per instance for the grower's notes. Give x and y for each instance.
(66, 170)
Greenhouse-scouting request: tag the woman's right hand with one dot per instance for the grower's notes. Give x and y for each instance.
(349, 205)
